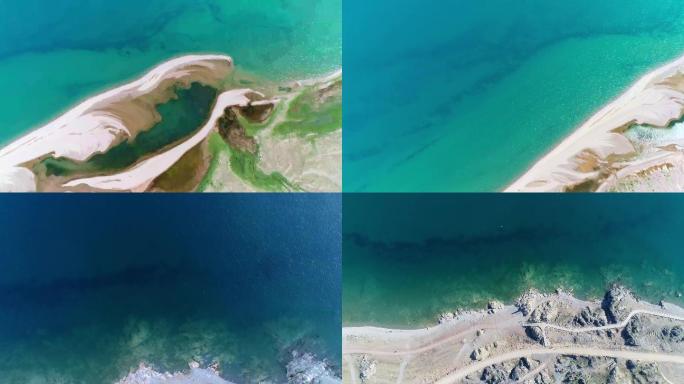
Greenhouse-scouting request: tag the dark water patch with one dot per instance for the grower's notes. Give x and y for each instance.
(180, 117)
(119, 280)
(408, 258)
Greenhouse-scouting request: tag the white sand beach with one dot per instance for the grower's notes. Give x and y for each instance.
(598, 151)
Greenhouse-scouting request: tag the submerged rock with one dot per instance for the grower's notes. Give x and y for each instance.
(146, 375)
(304, 368)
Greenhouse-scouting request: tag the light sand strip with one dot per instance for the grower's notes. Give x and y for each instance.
(101, 122)
(655, 100)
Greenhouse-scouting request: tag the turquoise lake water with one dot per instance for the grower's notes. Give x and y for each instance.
(465, 95)
(439, 252)
(90, 287)
(54, 54)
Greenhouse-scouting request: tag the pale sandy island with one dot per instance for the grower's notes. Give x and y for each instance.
(599, 157)
(140, 176)
(543, 338)
(101, 122)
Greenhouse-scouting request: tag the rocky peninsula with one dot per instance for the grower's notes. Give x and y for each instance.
(541, 338)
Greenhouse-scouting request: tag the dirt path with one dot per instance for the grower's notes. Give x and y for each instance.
(461, 373)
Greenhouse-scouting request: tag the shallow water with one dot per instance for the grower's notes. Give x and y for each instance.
(71, 50)
(444, 252)
(180, 117)
(465, 95)
(92, 287)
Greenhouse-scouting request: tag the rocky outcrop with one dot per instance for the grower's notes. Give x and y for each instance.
(367, 368)
(234, 133)
(615, 303)
(632, 331)
(644, 373)
(446, 317)
(673, 335)
(546, 312)
(480, 354)
(521, 369)
(590, 318)
(496, 374)
(304, 368)
(146, 375)
(528, 301)
(537, 334)
(494, 306)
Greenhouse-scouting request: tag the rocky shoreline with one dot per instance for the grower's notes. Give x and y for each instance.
(541, 338)
(303, 368)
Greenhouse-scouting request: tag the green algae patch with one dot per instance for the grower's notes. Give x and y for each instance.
(314, 112)
(215, 145)
(244, 165)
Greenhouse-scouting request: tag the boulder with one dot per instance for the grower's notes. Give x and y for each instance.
(590, 318)
(614, 303)
(673, 335)
(494, 306)
(545, 312)
(367, 368)
(521, 369)
(536, 334)
(632, 331)
(495, 374)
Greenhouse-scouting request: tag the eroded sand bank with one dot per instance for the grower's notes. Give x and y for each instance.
(599, 157)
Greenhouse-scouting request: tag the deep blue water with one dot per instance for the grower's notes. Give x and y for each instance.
(92, 286)
(410, 257)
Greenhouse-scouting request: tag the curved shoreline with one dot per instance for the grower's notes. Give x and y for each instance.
(598, 149)
(104, 120)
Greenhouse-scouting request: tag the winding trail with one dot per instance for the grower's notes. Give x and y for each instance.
(461, 373)
(621, 324)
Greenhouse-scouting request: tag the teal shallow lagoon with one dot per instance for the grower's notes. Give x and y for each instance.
(440, 253)
(71, 50)
(467, 98)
